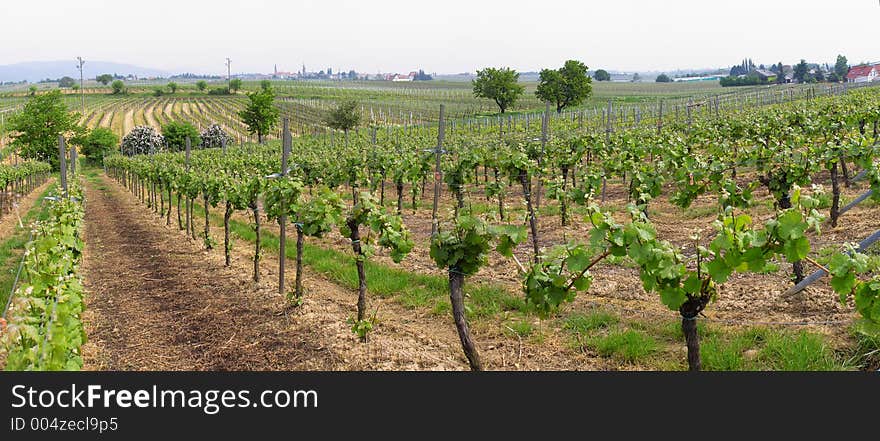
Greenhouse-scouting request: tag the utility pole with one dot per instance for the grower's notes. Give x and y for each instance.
(79, 64)
(228, 69)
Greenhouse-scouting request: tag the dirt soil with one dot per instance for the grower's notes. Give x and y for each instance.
(156, 300)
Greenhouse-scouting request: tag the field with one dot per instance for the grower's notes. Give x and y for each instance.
(621, 235)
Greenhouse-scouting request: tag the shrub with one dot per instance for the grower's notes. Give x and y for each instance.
(98, 143)
(214, 136)
(219, 91)
(141, 140)
(175, 134)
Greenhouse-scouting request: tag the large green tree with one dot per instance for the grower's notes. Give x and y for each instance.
(118, 87)
(567, 86)
(260, 115)
(37, 127)
(501, 85)
(235, 84)
(104, 79)
(841, 68)
(602, 75)
(201, 85)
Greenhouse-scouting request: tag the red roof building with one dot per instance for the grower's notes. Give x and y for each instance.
(863, 74)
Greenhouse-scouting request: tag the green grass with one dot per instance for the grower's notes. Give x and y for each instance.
(585, 323)
(659, 345)
(628, 345)
(521, 328)
(12, 247)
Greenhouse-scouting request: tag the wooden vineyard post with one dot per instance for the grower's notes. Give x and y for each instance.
(438, 172)
(186, 168)
(545, 135)
(282, 220)
(660, 117)
(73, 161)
(62, 164)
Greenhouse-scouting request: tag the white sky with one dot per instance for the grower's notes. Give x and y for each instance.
(445, 36)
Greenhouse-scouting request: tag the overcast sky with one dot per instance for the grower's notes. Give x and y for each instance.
(446, 36)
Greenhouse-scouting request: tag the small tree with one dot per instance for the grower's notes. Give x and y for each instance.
(500, 85)
(663, 78)
(801, 70)
(172, 86)
(841, 68)
(118, 87)
(66, 82)
(104, 79)
(32, 91)
(567, 86)
(602, 75)
(37, 127)
(636, 78)
(176, 132)
(100, 142)
(235, 85)
(201, 85)
(158, 91)
(344, 117)
(265, 84)
(260, 115)
(142, 140)
(214, 136)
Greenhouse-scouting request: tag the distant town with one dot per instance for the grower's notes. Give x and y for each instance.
(746, 73)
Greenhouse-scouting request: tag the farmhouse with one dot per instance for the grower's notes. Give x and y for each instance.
(864, 74)
(401, 77)
(765, 75)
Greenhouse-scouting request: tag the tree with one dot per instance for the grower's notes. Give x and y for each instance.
(66, 82)
(118, 87)
(142, 140)
(801, 70)
(344, 117)
(176, 132)
(99, 143)
(104, 79)
(172, 86)
(215, 136)
(265, 85)
(32, 91)
(567, 86)
(260, 115)
(37, 127)
(663, 78)
(500, 85)
(158, 91)
(201, 85)
(636, 78)
(235, 85)
(602, 75)
(841, 68)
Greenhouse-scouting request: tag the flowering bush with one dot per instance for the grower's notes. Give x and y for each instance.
(215, 136)
(141, 140)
